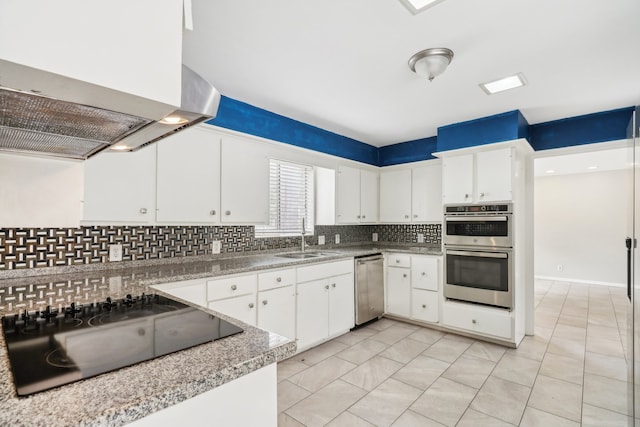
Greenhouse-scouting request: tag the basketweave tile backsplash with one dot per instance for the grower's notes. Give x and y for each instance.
(22, 248)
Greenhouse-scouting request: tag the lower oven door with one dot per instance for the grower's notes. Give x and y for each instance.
(479, 276)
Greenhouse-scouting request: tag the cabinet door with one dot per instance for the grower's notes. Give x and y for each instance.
(189, 177)
(120, 187)
(348, 195)
(426, 194)
(341, 304)
(398, 291)
(242, 308)
(312, 317)
(425, 272)
(395, 196)
(244, 197)
(368, 196)
(277, 311)
(493, 176)
(424, 305)
(457, 179)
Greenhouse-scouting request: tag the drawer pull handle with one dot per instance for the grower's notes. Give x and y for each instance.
(278, 279)
(326, 286)
(424, 305)
(227, 213)
(397, 261)
(404, 275)
(406, 216)
(333, 285)
(234, 287)
(265, 302)
(212, 212)
(364, 216)
(474, 321)
(424, 274)
(250, 305)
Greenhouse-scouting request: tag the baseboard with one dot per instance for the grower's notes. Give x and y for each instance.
(580, 281)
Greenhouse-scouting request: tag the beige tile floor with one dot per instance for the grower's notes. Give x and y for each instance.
(389, 373)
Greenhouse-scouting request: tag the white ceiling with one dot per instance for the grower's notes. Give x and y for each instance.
(341, 65)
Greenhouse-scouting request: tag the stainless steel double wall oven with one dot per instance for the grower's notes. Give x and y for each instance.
(478, 254)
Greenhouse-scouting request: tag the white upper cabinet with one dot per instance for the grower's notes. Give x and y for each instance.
(395, 196)
(357, 196)
(189, 177)
(411, 194)
(134, 47)
(244, 194)
(120, 187)
(485, 176)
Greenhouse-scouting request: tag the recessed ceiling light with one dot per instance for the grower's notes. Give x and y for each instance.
(550, 171)
(417, 6)
(505, 83)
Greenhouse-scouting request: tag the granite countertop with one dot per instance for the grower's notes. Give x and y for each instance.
(119, 397)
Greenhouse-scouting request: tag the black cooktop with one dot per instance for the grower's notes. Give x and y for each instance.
(54, 347)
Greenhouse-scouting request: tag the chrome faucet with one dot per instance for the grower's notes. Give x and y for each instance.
(302, 246)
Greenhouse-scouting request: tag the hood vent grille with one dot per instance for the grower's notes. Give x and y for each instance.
(31, 123)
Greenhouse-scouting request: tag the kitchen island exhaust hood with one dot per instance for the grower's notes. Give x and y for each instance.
(47, 114)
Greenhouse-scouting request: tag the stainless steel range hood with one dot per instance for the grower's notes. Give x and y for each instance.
(47, 114)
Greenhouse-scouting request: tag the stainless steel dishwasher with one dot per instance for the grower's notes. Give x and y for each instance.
(369, 288)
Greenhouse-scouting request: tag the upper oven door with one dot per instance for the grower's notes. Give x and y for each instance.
(478, 230)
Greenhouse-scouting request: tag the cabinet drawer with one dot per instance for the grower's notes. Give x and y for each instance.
(424, 305)
(325, 269)
(425, 272)
(242, 308)
(226, 287)
(276, 279)
(399, 260)
(483, 320)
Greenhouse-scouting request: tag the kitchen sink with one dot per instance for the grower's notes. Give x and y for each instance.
(305, 255)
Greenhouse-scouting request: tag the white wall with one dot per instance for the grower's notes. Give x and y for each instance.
(580, 223)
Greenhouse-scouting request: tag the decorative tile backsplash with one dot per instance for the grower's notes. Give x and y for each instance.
(22, 248)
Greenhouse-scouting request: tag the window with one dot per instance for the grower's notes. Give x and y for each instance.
(290, 200)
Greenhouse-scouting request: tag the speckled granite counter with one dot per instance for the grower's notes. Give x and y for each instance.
(122, 396)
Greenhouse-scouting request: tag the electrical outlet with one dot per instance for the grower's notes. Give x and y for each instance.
(337, 239)
(420, 238)
(321, 240)
(115, 252)
(374, 237)
(216, 247)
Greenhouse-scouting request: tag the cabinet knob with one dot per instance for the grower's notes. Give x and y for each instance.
(481, 194)
(212, 212)
(424, 305)
(234, 287)
(474, 321)
(278, 279)
(424, 273)
(404, 275)
(265, 302)
(466, 196)
(364, 216)
(250, 305)
(326, 286)
(143, 210)
(406, 216)
(415, 215)
(333, 285)
(227, 213)
(397, 261)
(358, 217)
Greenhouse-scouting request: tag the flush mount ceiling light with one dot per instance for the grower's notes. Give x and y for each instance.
(505, 83)
(432, 62)
(417, 6)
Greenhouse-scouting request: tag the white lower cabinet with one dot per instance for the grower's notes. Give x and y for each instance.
(482, 320)
(234, 296)
(242, 308)
(424, 305)
(277, 311)
(325, 302)
(398, 297)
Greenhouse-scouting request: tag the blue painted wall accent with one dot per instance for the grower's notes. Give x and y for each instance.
(406, 152)
(588, 129)
(487, 130)
(246, 118)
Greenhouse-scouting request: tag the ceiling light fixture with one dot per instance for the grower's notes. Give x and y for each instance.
(505, 83)
(432, 62)
(417, 6)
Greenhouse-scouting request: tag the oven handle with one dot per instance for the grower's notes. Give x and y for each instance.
(479, 254)
(476, 218)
